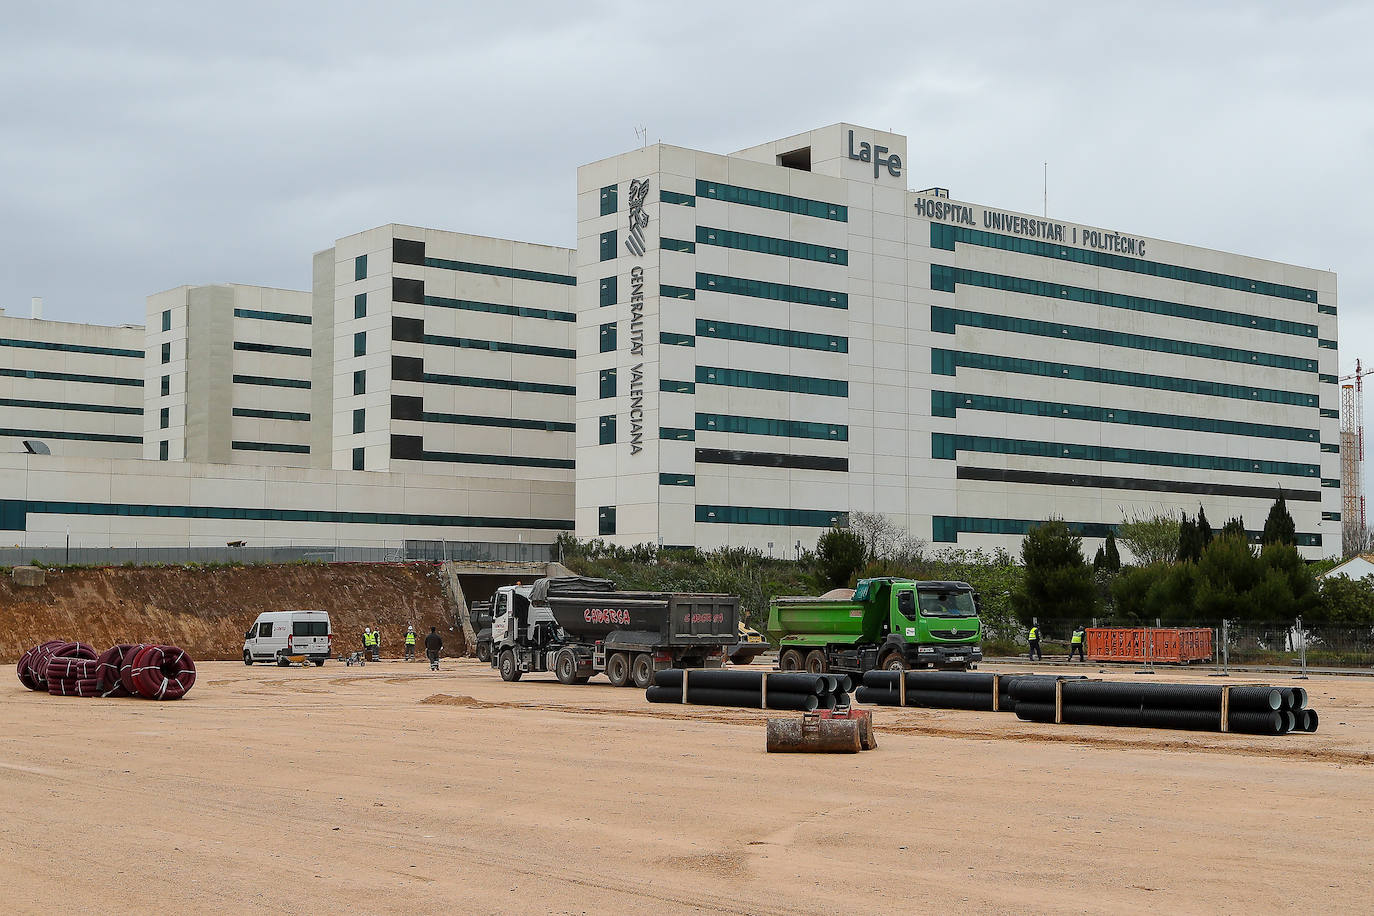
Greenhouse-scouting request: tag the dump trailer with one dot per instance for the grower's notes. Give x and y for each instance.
(577, 627)
(888, 623)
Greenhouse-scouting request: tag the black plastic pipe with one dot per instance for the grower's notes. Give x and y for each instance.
(744, 699)
(789, 682)
(1128, 694)
(1271, 722)
(966, 682)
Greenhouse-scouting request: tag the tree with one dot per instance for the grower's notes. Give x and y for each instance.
(839, 553)
(1111, 554)
(1150, 538)
(1189, 541)
(1058, 582)
(1100, 559)
(1235, 526)
(1279, 527)
(884, 539)
(1227, 574)
(1345, 601)
(1204, 529)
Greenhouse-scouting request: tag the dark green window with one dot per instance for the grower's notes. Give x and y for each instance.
(69, 436)
(1329, 414)
(802, 340)
(946, 529)
(1326, 310)
(360, 305)
(756, 515)
(296, 415)
(164, 419)
(515, 273)
(249, 347)
(768, 200)
(1328, 379)
(71, 377)
(946, 446)
(609, 291)
(1331, 516)
(606, 430)
(669, 339)
(608, 337)
(271, 316)
(464, 419)
(944, 362)
(359, 420)
(500, 384)
(677, 480)
(496, 346)
(519, 461)
(271, 382)
(676, 292)
(608, 200)
(674, 197)
(360, 381)
(674, 434)
(360, 343)
(1331, 448)
(942, 236)
(1327, 344)
(166, 319)
(360, 267)
(946, 403)
(786, 248)
(498, 309)
(358, 459)
(70, 348)
(607, 380)
(66, 405)
(281, 447)
(605, 520)
(1332, 482)
(674, 387)
(608, 243)
(166, 385)
(167, 353)
(945, 279)
(782, 292)
(764, 426)
(772, 381)
(677, 245)
(162, 451)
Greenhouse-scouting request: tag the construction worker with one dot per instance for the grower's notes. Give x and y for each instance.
(1076, 643)
(1034, 638)
(377, 644)
(410, 643)
(433, 643)
(367, 644)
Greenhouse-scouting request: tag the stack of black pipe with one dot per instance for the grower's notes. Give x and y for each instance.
(1252, 709)
(715, 687)
(934, 689)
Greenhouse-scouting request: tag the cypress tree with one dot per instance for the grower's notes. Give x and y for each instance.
(1234, 527)
(1100, 559)
(1279, 527)
(1204, 529)
(1111, 555)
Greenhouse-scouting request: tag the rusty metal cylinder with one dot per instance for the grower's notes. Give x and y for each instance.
(814, 735)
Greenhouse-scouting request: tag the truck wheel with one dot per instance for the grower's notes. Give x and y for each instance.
(642, 671)
(283, 661)
(618, 669)
(791, 660)
(247, 657)
(565, 667)
(509, 672)
(484, 652)
(893, 662)
(815, 662)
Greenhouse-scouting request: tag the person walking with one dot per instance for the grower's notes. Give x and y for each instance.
(410, 643)
(1076, 643)
(1034, 638)
(433, 643)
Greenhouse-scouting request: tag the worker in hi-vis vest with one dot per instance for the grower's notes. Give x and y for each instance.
(1034, 638)
(410, 644)
(1076, 643)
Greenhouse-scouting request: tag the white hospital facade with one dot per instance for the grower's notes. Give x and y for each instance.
(742, 349)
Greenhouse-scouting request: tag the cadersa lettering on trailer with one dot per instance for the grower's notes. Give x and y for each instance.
(617, 616)
(703, 618)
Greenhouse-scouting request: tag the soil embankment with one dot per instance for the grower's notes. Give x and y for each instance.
(206, 610)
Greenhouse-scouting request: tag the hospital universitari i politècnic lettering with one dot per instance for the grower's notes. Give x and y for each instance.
(1029, 227)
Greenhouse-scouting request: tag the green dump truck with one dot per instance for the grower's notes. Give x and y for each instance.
(888, 623)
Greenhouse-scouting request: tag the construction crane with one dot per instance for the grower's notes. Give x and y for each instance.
(1352, 456)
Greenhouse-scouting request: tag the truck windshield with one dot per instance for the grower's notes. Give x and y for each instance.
(947, 604)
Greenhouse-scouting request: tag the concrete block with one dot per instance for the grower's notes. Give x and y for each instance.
(31, 576)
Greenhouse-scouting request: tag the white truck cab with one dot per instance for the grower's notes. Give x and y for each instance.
(276, 636)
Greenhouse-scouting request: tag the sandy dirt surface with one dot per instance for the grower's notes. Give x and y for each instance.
(391, 789)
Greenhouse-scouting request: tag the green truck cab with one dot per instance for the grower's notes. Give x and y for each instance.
(888, 623)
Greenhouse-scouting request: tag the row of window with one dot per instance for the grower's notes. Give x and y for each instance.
(769, 200)
(676, 292)
(411, 448)
(71, 377)
(943, 236)
(1327, 413)
(676, 387)
(609, 196)
(760, 515)
(765, 426)
(781, 292)
(468, 381)
(947, 446)
(771, 459)
(467, 419)
(946, 529)
(1327, 379)
(255, 413)
(69, 347)
(517, 311)
(778, 337)
(271, 382)
(515, 273)
(945, 403)
(676, 434)
(1326, 310)
(772, 381)
(63, 405)
(76, 437)
(270, 447)
(252, 313)
(677, 480)
(945, 279)
(679, 245)
(279, 349)
(1101, 482)
(9, 508)
(945, 362)
(764, 244)
(672, 339)
(947, 321)
(677, 197)
(496, 346)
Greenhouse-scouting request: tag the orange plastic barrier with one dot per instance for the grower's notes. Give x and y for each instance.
(1178, 645)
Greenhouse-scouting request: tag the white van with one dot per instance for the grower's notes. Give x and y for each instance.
(277, 635)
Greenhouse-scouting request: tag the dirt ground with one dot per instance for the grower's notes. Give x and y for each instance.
(391, 789)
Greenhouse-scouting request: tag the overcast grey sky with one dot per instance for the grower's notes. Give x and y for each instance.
(150, 144)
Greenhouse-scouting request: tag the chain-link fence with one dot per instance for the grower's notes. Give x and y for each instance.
(398, 552)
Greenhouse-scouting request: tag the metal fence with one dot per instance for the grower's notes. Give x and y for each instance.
(398, 552)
